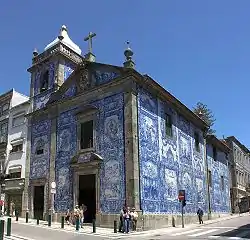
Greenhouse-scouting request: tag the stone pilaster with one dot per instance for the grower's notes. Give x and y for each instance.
(26, 197)
(53, 118)
(131, 150)
(60, 72)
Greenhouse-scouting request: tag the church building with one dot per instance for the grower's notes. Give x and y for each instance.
(106, 136)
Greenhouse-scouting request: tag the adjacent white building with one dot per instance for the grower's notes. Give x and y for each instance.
(14, 151)
(240, 175)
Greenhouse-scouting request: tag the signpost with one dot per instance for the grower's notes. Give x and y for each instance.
(182, 199)
(53, 192)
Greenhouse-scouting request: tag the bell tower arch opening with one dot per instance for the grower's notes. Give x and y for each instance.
(52, 67)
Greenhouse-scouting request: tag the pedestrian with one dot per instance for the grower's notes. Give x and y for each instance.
(200, 215)
(83, 209)
(121, 222)
(12, 209)
(67, 217)
(134, 217)
(126, 220)
(77, 215)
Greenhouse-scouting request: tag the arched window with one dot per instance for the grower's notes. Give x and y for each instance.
(44, 84)
(40, 147)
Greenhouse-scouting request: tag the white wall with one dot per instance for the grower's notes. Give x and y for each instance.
(18, 99)
(17, 133)
(242, 167)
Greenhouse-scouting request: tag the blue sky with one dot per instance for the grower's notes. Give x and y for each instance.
(198, 50)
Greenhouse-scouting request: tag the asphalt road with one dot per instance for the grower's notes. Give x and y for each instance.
(236, 228)
(38, 233)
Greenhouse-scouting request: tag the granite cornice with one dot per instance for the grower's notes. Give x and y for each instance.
(235, 141)
(130, 86)
(53, 112)
(39, 115)
(6, 96)
(157, 90)
(213, 140)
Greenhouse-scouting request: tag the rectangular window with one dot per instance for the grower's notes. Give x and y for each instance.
(209, 178)
(17, 148)
(214, 153)
(87, 135)
(15, 175)
(5, 109)
(197, 141)
(168, 125)
(222, 183)
(18, 121)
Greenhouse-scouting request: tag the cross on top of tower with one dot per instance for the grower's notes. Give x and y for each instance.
(89, 39)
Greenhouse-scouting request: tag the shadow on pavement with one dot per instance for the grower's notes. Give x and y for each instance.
(242, 232)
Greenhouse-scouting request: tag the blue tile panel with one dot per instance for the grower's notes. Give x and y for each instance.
(41, 100)
(40, 136)
(219, 195)
(168, 164)
(109, 145)
(104, 77)
(97, 78)
(65, 150)
(68, 69)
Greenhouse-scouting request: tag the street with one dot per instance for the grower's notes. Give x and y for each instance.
(236, 228)
(29, 232)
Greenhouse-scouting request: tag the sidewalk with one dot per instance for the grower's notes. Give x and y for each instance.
(86, 230)
(109, 232)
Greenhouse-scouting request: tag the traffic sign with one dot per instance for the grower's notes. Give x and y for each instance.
(53, 191)
(181, 195)
(53, 185)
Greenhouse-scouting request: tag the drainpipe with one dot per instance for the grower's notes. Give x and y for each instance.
(207, 170)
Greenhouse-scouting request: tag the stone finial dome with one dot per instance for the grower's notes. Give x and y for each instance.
(65, 39)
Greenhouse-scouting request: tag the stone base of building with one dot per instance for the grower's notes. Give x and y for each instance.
(153, 221)
(145, 221)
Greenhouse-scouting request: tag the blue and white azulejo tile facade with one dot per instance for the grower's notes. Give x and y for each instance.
(168, 164)
(65, 150)
(220, 187)
(40, 138)
(109, 145)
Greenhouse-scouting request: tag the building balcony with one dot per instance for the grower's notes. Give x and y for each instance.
(3, 144)
(13, 184)
(248, 187)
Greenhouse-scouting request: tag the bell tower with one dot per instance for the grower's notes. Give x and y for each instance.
(52, 67)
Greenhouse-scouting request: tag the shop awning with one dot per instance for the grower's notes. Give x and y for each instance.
(17, 141)
(14, 169)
